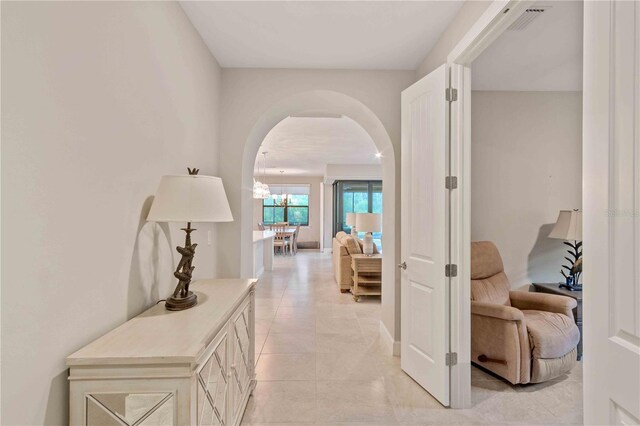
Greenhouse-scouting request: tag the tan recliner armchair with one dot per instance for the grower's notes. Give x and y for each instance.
(521, 336)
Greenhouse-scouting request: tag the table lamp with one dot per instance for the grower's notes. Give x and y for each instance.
(368, 223)
(568, 227)
(188, 198)
(351, 221)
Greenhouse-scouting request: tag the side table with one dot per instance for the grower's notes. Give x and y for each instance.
(367, 275)
(554, 288)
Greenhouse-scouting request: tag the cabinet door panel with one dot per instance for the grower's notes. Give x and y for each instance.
(241, 356)
(212, 386)
(125, 408)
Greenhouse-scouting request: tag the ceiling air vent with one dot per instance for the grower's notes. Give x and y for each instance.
(527, 17)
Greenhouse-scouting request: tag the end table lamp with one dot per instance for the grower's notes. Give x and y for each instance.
(351, 221)
(568, 227)
(188, 198)
(368, 223)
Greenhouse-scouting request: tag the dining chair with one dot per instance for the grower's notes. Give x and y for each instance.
(261, 226)
(280, 241)
(294, 243)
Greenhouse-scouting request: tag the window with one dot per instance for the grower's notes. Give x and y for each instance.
(358, 196)
(292, 208)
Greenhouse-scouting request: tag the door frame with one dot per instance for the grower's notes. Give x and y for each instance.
(491, 24)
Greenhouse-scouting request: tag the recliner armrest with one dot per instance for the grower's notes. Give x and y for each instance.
(494, 310)
(543, 302)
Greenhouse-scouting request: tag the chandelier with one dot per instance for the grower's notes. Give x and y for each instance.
(261, 190)
(284, 197)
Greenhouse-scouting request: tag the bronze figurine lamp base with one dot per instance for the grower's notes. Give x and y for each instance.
(188, 198)
(182, 298)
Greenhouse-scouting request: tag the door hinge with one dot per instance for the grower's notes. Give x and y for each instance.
(451, 359)
(451, 270)
(451, 94)
(451, 182)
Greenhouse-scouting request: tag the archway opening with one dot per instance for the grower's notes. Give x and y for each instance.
(323, 102)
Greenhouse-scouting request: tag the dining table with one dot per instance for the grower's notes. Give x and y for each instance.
(287, 233)
(288, 230)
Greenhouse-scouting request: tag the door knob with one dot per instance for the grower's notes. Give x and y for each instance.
(402, 265)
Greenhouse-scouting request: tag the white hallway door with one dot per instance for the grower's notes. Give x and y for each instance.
(424, 247)
(611, 227)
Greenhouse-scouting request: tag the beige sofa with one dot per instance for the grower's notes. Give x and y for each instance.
(521, 336)
(341, 263)
(343, 246)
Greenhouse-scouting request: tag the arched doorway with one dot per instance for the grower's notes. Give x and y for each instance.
(325, 101)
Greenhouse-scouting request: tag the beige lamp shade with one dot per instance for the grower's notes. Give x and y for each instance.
(190, 198)
(351, 219)
(369, 222)
(568, 226)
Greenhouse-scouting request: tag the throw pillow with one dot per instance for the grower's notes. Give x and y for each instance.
(375, 247)
(352, 245)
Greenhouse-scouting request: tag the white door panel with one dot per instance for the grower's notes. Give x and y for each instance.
(612, 212)
(425, 302)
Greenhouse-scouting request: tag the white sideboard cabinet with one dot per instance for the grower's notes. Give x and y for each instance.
(192, 367)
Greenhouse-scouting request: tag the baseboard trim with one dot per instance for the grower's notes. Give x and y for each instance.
(393, 346)
(309, 245)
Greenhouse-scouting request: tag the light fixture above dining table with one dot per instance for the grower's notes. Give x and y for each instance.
(261, 189)
(284, 197)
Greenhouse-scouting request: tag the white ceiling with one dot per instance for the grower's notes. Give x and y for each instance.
(392, 35)
(304, 146)
(545, 56)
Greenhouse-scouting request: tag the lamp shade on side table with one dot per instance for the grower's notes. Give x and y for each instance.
(368, 223)
(568, 226)
(190, 198)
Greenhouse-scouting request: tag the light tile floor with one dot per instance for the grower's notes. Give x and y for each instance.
(320, 360)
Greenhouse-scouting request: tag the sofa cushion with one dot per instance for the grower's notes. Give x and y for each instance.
(352, 245)
(340, 235)
(551, 335)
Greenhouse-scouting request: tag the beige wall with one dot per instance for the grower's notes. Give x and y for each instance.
(526, 165)
(98, 101)
(307, 233)
(463, 21)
